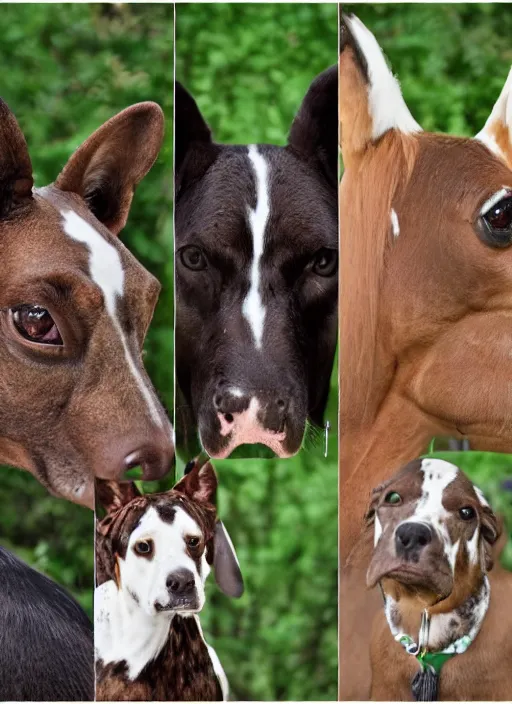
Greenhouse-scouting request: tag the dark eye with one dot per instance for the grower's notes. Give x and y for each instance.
(143, 547)
(193, 258)
(495, 223)
(393, 498)
(36, 324)
(325, 262)
(467, 513)
(193, 541)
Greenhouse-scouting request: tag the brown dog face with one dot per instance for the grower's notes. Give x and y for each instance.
(432, 528)
(75, 306)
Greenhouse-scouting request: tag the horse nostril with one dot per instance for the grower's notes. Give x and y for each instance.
(280, 403)
(217, 401)
(229, 417)
(154, 461)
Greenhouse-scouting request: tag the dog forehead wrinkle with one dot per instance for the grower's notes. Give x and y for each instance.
(387, 107)
(107, 273)
(252, 308)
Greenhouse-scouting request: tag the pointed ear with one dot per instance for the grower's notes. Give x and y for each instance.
(199, 484)
(496, 133)
(313, 134)
(371, 102)
(107, 167)
(194, 150)
(226, 567)
(15, 168)
(113, 495)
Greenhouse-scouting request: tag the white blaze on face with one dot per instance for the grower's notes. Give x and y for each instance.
(147, 578)
(253, 308)
(107, 273)
(437, 475)
(385, 101)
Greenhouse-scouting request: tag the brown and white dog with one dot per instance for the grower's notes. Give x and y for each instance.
(153, 555)
(433, 534)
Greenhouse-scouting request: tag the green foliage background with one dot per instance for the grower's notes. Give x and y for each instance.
(452, 61)
(67, 69)
(249, 67)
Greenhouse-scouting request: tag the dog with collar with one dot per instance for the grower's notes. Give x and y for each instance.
(153, 555)
(444, 632)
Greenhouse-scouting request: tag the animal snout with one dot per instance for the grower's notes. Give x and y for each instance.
(181, 582)
(270, 409)
(410, 539)
(154, 459)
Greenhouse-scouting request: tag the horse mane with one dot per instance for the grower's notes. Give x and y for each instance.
(370, 188)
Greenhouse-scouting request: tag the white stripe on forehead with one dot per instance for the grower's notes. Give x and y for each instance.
(386, 104)
(253, 308)
(107, 273)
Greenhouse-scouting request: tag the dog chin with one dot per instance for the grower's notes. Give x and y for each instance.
(420, 578)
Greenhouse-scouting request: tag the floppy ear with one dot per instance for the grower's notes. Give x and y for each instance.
(225, 563)
(113, 495)
(496, 131)
(371, 101)
(15, 167)
(199, 484)
(360, 554)
(107, 167)
(313, 134)
(194, 150)
(491, 530)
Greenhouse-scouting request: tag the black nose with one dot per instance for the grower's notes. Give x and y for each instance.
(274, 406)
(410, 539)
(181, 582)
(155, 460)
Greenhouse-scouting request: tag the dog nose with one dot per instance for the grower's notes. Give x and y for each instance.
(410, 539)
(180, 582)
(155, 460)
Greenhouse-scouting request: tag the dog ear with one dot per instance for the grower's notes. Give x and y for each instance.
(314, 131)
(107, 167)
(226, 567)
(15, 167)
(360, 555)
(199, 483)
(194, 150)
(491, 529)
(113, 495)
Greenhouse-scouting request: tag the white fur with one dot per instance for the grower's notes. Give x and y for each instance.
(217, 667)
(378, 530)
(107, 273)
(253, 308)
(472, 547)
(394, 223)
(481, 496)
(493, 200)
(386, 104)
(501, 112)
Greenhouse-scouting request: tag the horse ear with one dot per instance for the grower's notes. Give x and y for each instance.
(107, 167)
(199, 482)
(194, 150)
(15, 167)
(226, 567)
(370, 99)
(496, 131)
(113, 495)
(313, 134)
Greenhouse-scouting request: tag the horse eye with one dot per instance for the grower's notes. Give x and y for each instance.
(143, 547)
(35, 324)
(495, 222)
(467, 513)
(193, 258)
(325, 262)
(393, 498)
(193, 541)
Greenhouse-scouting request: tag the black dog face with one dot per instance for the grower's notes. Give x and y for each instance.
(256, 274)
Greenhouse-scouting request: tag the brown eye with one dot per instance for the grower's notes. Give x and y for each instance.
(467, 513)
(193, 258)
(495, 223)
(144, 548)
(35, 323)
(193, 541)
(325, 262)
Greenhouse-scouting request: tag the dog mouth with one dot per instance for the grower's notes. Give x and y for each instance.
(420, 577)
(180, 605)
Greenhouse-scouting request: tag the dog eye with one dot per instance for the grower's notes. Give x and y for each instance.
(325, 262)
(143, 547)
(193, 541)
(35, 324)
(193, 258)
(467, 513)
(495, 223)
(393, 498)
